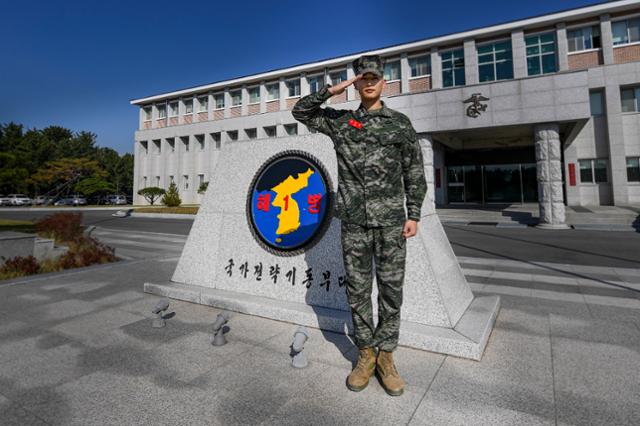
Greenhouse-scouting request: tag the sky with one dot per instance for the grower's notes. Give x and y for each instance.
(78, 64)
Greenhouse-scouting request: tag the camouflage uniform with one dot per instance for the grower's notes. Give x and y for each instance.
(379, 163)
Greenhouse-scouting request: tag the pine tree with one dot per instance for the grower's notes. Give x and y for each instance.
(171, 198)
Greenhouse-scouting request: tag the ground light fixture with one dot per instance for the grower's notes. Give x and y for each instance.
(161, 307)
(218, 338)
(300, 337)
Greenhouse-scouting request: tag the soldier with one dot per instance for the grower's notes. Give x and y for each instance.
(379, 163)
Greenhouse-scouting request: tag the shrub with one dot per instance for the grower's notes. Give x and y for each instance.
(86, 251)
(151, 193)
(19, 266)
(62, 227)
(171, 198)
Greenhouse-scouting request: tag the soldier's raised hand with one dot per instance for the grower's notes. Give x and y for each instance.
(340, 87)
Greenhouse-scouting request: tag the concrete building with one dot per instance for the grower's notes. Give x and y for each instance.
(543, 109)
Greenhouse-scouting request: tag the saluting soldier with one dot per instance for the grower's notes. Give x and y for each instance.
(379, 164)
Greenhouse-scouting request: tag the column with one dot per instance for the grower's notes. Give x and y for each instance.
(263, 100)
(519, 54)
(436, 69)
(549, 174)
(405, 73)
(351, 91)
(617, 151)
(426, 143)
(283, 94)
(245, 103)
(563, 46)
(227, 103)
(606, 38)
(470, 62)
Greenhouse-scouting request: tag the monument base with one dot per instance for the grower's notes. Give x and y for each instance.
(466, 340)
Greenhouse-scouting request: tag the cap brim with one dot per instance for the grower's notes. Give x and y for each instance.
(371, 70)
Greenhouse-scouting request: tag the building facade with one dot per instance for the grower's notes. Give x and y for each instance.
(544, 109)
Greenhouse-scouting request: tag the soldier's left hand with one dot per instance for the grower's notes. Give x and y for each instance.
(410, 228)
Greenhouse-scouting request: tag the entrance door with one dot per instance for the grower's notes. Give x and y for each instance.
(502, 183)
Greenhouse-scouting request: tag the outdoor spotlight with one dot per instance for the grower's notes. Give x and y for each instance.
(161, 306)
(299, 339)
(218, 332)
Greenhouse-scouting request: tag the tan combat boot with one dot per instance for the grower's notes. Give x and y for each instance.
(391, 380)
(364, 369)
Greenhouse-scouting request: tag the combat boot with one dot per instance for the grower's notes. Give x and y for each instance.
(364, 369)
(391, 380)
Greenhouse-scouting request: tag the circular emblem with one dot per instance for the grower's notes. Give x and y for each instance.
(288, 202)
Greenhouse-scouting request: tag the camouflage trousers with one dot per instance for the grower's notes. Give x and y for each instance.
(361, 246)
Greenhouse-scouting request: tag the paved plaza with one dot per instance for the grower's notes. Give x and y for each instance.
(78, 348)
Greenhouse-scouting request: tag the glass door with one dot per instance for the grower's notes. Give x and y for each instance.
(455, 184)
(502, 183)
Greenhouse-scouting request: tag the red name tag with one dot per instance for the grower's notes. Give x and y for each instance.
(354, 123)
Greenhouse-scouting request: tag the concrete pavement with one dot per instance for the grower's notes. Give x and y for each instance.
(78, 348)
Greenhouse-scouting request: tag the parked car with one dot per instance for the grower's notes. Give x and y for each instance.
(63, 202)
(42, 200)
(20, 200)
(116, 199)
(78, 200)
(4, 200)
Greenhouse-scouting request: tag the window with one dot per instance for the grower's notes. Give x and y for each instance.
(219, 100)
(338, 77)
(162, 111)
(629, 97)
(216, 138)
(584, 38)
(633, 169)
(144, 180)
(200, 180)
(147, 113)
(293, 87)
(185, 179)
(236, 98)
(420, 65)
(392, 70)
(172, 144)
(232, 134)
(144, 146)
(251, 133)
(158, 145)
(593, 168)
(158, 181)
(627, 31)
(316, 83)
(200, 139)
(291, 129)
(270, 131)
(185, 142)
(541, 53)
(597, 103)
(171, 180)
(188, 106)
(453, 68)
(173, 109)
(495, 61)
(203, 101)
(273, 91)
(254, 95)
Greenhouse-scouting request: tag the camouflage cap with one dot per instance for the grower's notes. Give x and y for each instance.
(368, 63)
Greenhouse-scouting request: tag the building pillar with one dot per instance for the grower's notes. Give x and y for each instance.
(436, 69)
(405, 73)
(563, 46)
(606, 39)
(244, 108)
(519, 54)
(282, 89)
(549, 173)
(227, 103)
(470, 62)
(263, 101)
(426, 144)
(615, 133)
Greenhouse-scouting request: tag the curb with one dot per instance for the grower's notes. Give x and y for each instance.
(164, 215)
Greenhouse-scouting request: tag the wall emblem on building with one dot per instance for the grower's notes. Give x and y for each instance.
(289, 202)
(476, 106)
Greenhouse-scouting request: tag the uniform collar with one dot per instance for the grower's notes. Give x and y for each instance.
(362, 111)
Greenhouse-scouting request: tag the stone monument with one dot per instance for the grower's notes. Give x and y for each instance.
(269, 246)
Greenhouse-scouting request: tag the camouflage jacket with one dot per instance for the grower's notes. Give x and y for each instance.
(379, 160)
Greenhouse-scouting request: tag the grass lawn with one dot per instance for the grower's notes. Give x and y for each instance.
(174, 210)
(17, 225)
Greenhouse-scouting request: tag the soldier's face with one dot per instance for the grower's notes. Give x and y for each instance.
(370, 86)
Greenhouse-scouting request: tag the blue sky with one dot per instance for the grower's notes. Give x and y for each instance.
(78, 63)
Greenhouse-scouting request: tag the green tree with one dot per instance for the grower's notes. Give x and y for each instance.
(94, 186)
(152, 193)
(203, 187)
(12, 177)
(66, 172)
(171, 198)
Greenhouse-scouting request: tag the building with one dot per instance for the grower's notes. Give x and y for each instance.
(543, 109)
